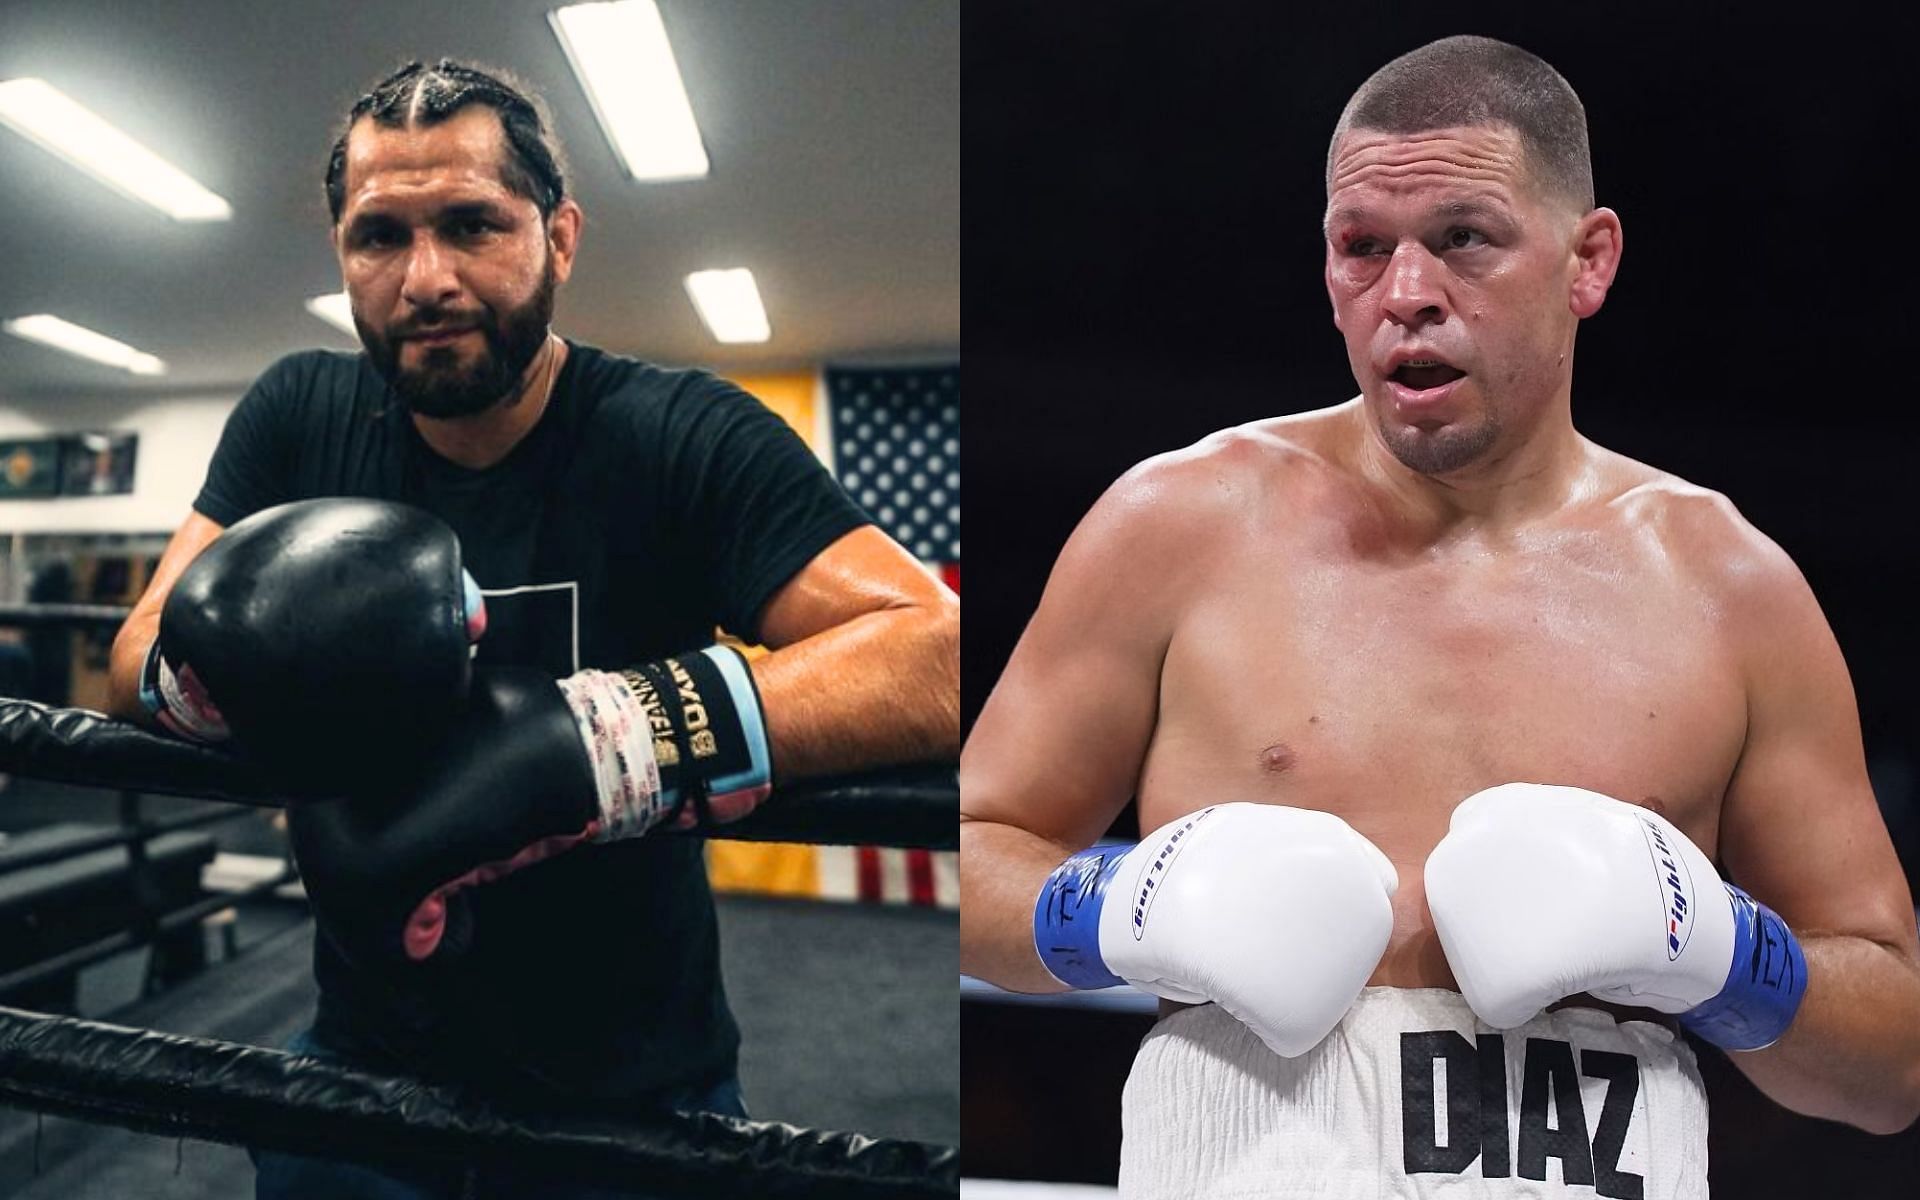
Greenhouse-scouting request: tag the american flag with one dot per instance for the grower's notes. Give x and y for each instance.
(896, 449)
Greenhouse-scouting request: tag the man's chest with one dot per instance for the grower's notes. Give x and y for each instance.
(1342, 687)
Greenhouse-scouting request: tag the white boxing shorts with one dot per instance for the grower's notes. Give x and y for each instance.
(1413, 1096)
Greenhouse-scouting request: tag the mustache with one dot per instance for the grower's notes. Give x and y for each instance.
(437, 321)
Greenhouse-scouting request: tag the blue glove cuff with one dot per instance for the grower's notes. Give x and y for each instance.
(1066, 917)
(1764, 984)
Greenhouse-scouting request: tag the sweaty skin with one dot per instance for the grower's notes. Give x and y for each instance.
(1318, 647)
(1380, 608)
(1383, 674)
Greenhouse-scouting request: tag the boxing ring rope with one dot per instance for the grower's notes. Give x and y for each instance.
(914, 807)
(182, 1086)
(179, 1086)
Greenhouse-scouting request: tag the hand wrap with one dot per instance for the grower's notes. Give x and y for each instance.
(679, 740)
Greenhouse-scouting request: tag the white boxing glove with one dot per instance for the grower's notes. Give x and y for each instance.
(1276, 914)
(1541, 892)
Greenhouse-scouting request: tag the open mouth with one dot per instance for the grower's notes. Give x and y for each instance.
(1422, 375)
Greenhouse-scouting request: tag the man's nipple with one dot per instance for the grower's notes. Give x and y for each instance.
(1277, 758)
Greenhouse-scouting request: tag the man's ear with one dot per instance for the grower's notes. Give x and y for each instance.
(563, 237)
(1596, 252)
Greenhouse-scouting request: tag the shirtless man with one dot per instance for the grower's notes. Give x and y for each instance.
(1426, 694)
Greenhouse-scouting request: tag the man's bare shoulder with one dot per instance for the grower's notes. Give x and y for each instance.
(1237, 466)
(1704, 535)
(1167, 518)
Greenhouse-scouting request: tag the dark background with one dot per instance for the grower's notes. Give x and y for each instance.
(1142, 197)
(1143, 192)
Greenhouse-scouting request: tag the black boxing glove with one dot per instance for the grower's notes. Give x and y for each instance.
(532, 769)
(325, 637)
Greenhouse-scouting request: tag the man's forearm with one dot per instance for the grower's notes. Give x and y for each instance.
(136, 636)
(881, 688)
(1002, 870)
(1853, 1051)
(124, 663)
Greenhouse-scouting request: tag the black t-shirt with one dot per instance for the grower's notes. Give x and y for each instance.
(646, 507)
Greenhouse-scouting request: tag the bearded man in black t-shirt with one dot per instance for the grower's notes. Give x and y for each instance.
(611, 513)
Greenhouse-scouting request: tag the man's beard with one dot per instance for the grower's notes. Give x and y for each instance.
(441, 386)
(1440, 451)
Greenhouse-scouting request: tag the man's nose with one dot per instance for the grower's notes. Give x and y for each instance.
(431, 279)
(1414, 294)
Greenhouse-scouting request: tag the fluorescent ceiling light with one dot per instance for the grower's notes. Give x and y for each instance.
(45, 115)
(730, 304)
(620, 54)
(84, 343)
(335, 311)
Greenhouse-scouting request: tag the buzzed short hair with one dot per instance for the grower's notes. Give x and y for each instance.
(418, 94)
(1474, 81)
